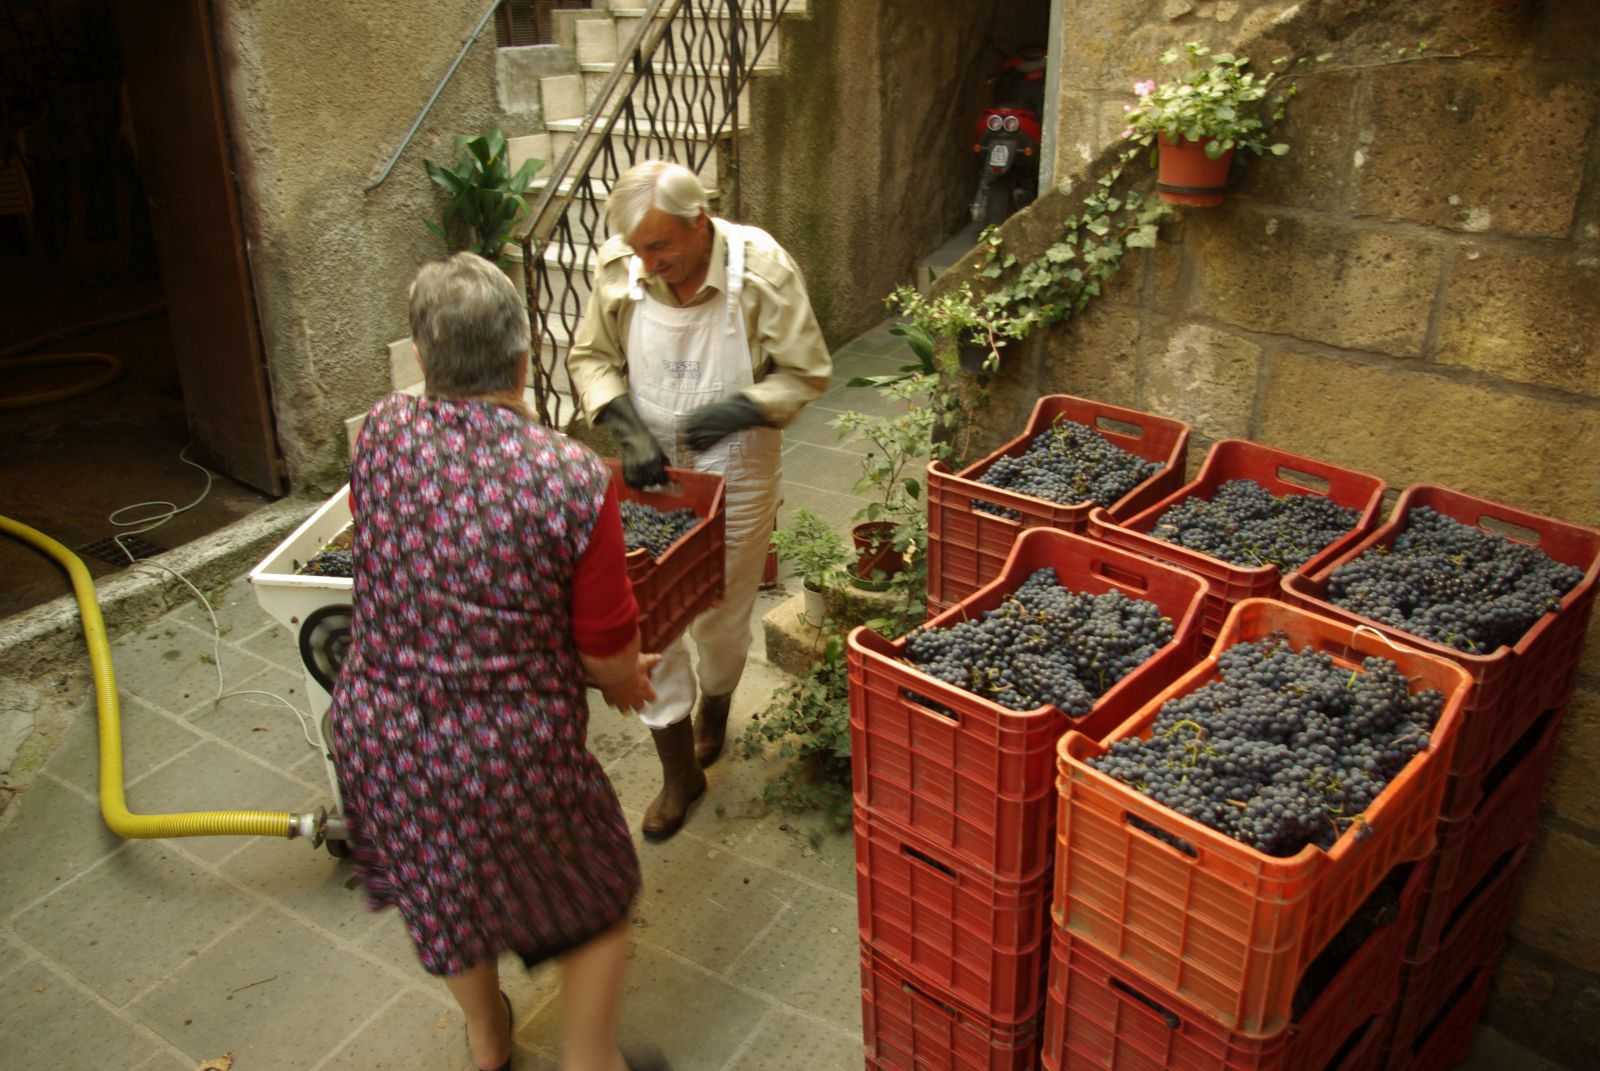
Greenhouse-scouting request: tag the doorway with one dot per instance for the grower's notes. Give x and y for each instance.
(117, 228)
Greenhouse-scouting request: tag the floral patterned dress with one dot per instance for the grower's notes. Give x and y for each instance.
(460, 716)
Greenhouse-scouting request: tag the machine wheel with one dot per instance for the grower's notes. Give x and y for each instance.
(324, 642)
(997, 204)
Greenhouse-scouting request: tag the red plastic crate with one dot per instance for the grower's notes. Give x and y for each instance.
(1228, 928)
(1368, 1049)
(906, 1027)
(1281, 473)
(686, 581)
(1472, 936)
(1470, 846)
(1514, 685)
(1102, 1013)
(967, 547)
(950, 926)
(971, 776)
(1448, 1040)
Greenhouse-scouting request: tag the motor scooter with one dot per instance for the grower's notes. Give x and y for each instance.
(1007, 139)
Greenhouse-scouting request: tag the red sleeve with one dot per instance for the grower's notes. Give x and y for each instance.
(605, 614)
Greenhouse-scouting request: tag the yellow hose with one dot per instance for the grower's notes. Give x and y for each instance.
(113, 798)
(112, 368)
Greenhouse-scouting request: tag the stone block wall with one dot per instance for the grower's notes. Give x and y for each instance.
(1414, 291)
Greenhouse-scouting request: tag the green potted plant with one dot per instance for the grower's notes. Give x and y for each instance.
(978, 329)
(818, 556)
(1199, 119)
(484, 193)
(891, 530)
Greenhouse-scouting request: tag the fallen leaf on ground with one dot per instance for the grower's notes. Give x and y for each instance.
(221, 1063)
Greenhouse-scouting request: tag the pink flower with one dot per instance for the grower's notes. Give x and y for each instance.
(1145, 88)
(1128, 133)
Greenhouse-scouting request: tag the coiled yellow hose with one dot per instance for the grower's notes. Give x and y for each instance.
(113, 797)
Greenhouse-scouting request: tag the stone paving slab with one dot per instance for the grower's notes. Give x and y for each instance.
(126, 925)
(790, 1042)
(150, 737)
(47, 1021)
(53, 835)
(274, 991)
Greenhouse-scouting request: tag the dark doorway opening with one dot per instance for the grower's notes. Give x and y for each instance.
(83, 270)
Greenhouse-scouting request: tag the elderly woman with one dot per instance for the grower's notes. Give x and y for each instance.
(489, 583)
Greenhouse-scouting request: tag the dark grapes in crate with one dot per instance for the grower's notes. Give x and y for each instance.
(1070, 463)
(1453, 583)
(647, 528)
(330, 563)
(1044, 645)
(1286, 748)
(1245, 524)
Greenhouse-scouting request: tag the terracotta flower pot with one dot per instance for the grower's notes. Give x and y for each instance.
(875, 553)
(1187, 176)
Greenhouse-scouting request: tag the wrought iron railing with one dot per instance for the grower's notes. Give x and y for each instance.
(673, 94)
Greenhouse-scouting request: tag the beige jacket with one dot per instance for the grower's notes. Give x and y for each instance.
(790, 361)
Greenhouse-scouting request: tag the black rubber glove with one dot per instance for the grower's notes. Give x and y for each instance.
(710, 424)
(644, 463)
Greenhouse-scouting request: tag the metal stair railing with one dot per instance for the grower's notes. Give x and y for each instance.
(711, 48)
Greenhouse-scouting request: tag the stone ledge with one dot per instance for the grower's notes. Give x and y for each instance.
(793, 645)
(50, 637)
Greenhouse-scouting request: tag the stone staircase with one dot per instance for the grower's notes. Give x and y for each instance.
(598, 40)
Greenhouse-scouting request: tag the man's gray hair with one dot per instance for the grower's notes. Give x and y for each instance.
(661, 184)
(470, 326)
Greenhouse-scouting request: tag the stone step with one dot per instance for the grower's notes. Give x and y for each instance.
(686, 39)
(796, 8)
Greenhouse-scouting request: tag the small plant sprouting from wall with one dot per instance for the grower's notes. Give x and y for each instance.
(1116, 216)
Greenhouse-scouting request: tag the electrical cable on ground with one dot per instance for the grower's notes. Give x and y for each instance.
(113, 793)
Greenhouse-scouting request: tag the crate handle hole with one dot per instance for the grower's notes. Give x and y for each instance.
(1121, 577)
(1508, 529)
(1168, 1016)
(930, 706)
(1119, 427)
(928, 860)
(1161, 836)
(988, 511)
(1306, 480)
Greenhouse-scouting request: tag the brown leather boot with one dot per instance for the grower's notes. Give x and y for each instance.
(710, 725)
(682, 780)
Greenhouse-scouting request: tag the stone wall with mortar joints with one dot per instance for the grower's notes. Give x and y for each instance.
(1414, 291)
(317, 105)
(859, 158)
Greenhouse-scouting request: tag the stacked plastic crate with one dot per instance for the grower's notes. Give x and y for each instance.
(954, 822)
(972, 524)
(1278, 472)
(1490, 807)
(1176, 946)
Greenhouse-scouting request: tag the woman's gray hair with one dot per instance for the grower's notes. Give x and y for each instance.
(470, 326)
(661, 184)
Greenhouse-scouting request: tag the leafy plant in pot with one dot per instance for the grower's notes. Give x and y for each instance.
(977, 328)
(817, 554)
(891, 530)
(1194, 123)
(484, 193)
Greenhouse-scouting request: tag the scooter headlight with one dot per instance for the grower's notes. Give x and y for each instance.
(995, 122)
(1011, 124)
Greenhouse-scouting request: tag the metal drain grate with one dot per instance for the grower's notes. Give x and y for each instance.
(108, 551)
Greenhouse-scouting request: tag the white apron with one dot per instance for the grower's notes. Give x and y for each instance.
(678, 360)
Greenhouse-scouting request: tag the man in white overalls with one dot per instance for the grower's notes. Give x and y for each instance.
(698, 344)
